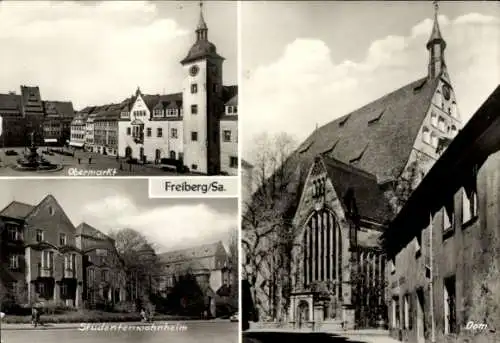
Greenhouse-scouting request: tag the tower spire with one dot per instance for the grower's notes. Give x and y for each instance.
(436, 46)
(202, 28)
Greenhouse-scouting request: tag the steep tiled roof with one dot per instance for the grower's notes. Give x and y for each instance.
(200, 251)
(378, 137)
(229, 92)
(369, 197)
(233, 101)
(62, 108)
(87, 230)
(10, 102)
(17, 210)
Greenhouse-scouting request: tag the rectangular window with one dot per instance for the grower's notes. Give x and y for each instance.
(233, 162)
(229, 109)
(14, 262)
(450, 319)
(62, 239)
(448, 221)
(129, 131)
(469, 206)
(194, 88)
(148, 132)
(14, 232)
(159, 132)
(227, 135)
(406, 311)
(194, 136)
(194, 109)
(39, 235)
(173, 133)
(395, 313)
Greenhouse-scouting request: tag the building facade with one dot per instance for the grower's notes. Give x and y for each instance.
(345, 187)
(106, 131)
(208, 263)
(229, 138)
(104, 277)
(443, 257)
(47, 260)
(26, 112)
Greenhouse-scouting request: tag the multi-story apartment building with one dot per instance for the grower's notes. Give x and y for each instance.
(57, 122)
(39, 243)
(48, 260)
(78, 128)
(442, 247)
(209, 263)
(26, 112)
(106, 130)
(104, 277)
(229, 138)
(339, 195)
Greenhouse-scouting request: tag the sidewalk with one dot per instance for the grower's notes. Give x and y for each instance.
(76, 326)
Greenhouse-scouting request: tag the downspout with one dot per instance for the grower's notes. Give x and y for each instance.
(431, 283)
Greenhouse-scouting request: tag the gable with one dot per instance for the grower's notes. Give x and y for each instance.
(49, 216)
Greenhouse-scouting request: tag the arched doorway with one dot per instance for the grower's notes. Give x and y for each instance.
(172, 154)
(303, 315)
(157, 155)
(128, 152)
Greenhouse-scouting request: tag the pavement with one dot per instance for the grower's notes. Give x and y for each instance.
(214, 331)
(69, 164)
(304, 335)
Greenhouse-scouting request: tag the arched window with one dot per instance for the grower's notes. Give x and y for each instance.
(442, 124)
(426, 135)
(454, 111)
(322, 248)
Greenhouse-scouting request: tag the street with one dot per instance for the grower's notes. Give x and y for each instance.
(99, 162)
(197, 331)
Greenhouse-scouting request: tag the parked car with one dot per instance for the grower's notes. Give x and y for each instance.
(11, 153)
(235, 317)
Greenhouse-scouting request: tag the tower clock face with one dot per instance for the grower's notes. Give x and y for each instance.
(193, 71)
(446, 92)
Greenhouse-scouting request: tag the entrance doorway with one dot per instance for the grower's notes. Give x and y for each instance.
(141, 154)
(128, 152)
(303, 313)
(172, 154)
(157, 155)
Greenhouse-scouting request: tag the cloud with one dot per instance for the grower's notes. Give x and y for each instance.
(171, 227)
(89, 54)
(305, 87)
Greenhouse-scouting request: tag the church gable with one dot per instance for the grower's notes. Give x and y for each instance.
(318, 193)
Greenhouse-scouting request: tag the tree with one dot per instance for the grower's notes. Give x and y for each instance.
(266, 231)
(142, 265)
(187, 296)
(234, 263)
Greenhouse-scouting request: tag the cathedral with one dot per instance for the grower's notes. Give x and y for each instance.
(347, 180)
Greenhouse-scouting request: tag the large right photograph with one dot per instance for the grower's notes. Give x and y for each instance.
(371, 184)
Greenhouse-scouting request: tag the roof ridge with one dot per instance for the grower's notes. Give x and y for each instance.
(348, 167)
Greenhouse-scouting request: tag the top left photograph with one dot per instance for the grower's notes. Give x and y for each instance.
(111, 88)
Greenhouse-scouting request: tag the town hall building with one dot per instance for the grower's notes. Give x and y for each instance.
(347, 177)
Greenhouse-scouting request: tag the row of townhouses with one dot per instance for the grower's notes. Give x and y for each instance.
(46, 259)
(26, 113)
(198, 126)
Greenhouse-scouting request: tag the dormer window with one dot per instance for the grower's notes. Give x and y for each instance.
(125, 114)
(229, 110)
(171, 112)
(158, 112)
(426, 135)
(442, 124)
(434, 120)
(62, 239)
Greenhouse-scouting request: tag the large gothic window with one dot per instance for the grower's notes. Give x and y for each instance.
(322, 252)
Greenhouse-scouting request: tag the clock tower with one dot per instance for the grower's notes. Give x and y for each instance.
(203, 103)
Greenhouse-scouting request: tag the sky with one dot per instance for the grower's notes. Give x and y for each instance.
(306, 63)
(93, 53)
(112, 204)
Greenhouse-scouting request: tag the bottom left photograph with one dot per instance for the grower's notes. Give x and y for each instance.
(97, 260)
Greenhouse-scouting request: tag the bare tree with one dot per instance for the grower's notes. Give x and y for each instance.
(234, 263)
(265, 229)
